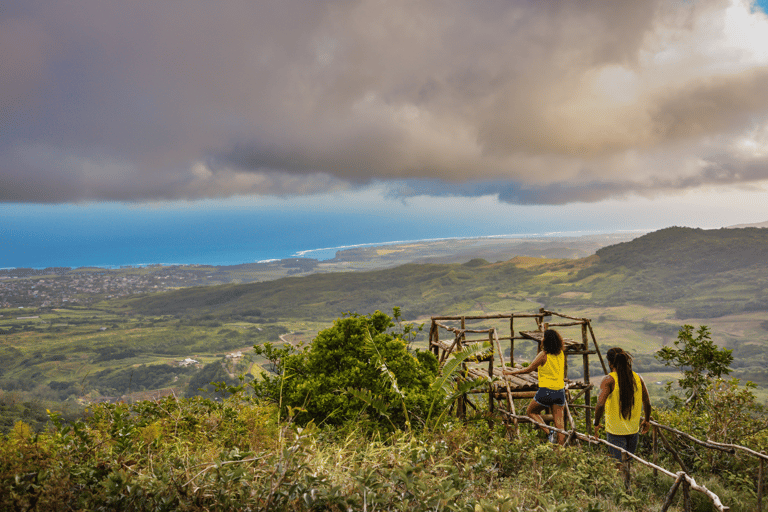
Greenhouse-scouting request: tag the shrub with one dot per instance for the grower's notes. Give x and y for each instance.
(342, 376)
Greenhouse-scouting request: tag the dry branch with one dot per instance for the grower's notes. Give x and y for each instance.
(546, 312)
(711, 445)
(742, 448)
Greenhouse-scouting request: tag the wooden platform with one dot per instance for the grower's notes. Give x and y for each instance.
(487, 367)
(517, 383)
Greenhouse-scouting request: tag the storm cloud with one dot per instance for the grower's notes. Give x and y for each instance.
(552, 101)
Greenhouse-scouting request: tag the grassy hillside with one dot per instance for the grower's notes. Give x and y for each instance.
(178, 453)
(638, 294)
(700, 273)
(419, 289)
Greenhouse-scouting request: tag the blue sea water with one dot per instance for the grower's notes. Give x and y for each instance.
(116, 235)
(111, 235)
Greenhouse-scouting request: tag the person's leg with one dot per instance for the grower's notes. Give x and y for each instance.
(618, 441)
(632, 442)
(558, 413)
(534, 412)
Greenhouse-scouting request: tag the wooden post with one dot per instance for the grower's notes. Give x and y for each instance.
(655, 450)
(568, 412)
(434, 335)
(512, 340)
(597, 349)
(587, 395)
(760, 474)
(462, 410)
(672, 491)
(490, 381)
(510, 400)
(687, 496)
(565, 365)
(673, 451)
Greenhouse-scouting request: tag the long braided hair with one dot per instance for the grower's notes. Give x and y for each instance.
(622, 363)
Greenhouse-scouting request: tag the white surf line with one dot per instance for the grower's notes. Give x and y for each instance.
(557, 234)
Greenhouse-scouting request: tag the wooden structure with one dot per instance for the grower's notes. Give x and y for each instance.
(489, 366)
(448, 334)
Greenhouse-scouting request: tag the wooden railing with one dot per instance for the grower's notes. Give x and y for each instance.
(680, 478)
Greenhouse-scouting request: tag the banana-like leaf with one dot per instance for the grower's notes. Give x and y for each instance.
(446, 379)
(454, 363)
(376, 402)
(373, 351)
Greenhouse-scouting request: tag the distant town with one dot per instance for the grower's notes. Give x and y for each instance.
(83, 287)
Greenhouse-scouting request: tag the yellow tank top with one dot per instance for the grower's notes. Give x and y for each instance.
(551, 373)
(614, 422)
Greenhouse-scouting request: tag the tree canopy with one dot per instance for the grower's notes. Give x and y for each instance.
(698, 358)
(355, 369)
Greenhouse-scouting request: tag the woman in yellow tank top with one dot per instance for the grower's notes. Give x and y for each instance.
(551, 392)
(621, 393)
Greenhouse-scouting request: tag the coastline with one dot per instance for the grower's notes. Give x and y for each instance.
(582, 243)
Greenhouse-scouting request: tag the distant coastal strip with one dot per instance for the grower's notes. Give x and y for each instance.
(552, 234)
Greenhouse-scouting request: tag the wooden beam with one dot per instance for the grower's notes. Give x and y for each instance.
(593, 440)
(597, 349)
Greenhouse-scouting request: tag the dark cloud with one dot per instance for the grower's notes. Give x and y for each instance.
(549, 101)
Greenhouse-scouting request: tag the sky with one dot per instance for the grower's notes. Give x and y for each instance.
(654, 112)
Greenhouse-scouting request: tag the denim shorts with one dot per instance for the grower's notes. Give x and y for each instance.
(628, 443)
(547, 397)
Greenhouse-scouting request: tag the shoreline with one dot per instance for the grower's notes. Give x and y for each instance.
(303, 254)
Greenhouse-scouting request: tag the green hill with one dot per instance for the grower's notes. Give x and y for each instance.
(420, 289)
(699, 273)
(638, 294)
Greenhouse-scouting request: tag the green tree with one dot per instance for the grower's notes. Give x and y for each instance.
(355, 366)
(699, 359)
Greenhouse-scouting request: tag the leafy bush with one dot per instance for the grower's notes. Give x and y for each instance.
(345, 375)
(200, 455)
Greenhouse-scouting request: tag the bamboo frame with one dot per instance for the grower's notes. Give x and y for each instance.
(682, 478)
(444, 348)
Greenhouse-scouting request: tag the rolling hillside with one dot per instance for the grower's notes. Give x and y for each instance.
(637, 293)
(702, 274)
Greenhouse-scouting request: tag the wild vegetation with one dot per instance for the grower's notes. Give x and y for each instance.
(166, 438)
(132, 347)
(252, 452)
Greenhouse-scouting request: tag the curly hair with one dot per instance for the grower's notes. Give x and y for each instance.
(552, 342)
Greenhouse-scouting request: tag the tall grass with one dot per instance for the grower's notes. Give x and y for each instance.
(202, 455)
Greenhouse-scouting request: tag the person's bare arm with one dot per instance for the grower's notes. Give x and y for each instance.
(646, 423)
(539, 360)
(606, 388)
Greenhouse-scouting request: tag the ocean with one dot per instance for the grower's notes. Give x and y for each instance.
(111, 235)
(117, 235)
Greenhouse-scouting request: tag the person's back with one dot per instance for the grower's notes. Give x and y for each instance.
(622, 394)
(615, 422)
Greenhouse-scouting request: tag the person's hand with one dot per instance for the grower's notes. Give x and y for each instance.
(597, 431)
(644, 426)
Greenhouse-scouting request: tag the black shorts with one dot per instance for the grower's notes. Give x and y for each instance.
(547, 397)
